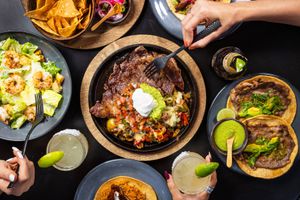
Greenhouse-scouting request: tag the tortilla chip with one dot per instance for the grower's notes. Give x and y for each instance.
(61, 17)
(51, 24)
(69, 30)
(66, 8)
(57, 23)
(41, 13)
(40, 3)
(83, 12)
(64, 22)
(85, 21)
(80, 4)
(43, 25)
(52, 11)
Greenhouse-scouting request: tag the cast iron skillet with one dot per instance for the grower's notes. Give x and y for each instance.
(96, 90)
(52, 54)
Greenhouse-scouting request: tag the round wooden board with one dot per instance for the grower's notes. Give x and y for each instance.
(110, 49)
(106, 33)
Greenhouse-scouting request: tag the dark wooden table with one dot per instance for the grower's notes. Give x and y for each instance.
(269, 47)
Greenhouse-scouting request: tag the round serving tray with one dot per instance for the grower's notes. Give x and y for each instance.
(87, 96)
(105, 34)
(220, 102)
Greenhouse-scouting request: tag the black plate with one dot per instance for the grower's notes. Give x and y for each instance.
(220, 102)
(52, 54)
(96, 90)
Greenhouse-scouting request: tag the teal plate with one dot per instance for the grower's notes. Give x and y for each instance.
(121, 167)
(52, 54)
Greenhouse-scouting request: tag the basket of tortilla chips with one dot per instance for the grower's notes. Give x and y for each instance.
(60, 19)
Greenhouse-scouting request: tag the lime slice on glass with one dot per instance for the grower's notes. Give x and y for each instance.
(225, 113)
(50, 159)
(205, 169)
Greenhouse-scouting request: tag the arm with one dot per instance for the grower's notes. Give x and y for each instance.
(278, 11)
(229, 14)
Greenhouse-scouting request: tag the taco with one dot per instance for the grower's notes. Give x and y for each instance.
(263, 95)
(181, 7)
(126, 188)
(272, 147)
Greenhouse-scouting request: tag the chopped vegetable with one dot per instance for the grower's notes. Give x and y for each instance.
(49, 110)
(16, 124)
(128, 125)
(261, 104)
(11, 44)
(28, 48)
(263, 146)
(111, 124)
(51, 68)
(51, 98)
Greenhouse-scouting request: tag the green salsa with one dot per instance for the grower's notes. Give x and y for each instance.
(226, 130)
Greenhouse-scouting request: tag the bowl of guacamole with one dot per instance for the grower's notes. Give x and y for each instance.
(224, 130)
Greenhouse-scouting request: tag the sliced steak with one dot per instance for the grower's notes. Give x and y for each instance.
(244, 91)
(280, 156)
(129, 69)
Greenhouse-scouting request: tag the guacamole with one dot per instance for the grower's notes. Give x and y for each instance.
(155, 93)
(226, 130)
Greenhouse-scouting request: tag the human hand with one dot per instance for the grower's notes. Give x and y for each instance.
(205, 11)
(23, 181)
(177, 195)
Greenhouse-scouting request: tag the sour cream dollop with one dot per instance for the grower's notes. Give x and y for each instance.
(143, 102)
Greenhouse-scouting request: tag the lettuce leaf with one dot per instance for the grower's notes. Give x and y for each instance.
(17, 123)
(28, 48)
(11, 44)
(51, 68)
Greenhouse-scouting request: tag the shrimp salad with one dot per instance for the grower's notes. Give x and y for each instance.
(24, 71)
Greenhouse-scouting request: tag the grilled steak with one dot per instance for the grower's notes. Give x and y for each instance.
(280, 156)
(244, 91)
(129, 69)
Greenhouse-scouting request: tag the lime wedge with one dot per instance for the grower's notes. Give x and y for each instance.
(225, 113)
(239, 64)
(205, 169)
(50, 159)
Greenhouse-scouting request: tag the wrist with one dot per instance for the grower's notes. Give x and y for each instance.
(239, 12)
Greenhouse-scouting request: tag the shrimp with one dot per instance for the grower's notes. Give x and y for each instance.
(14, 84)
(4, 117)
(30, 113)
(42, 81)
(11, 59)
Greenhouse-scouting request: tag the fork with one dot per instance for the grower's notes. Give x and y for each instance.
(38, 118)
(159, 63)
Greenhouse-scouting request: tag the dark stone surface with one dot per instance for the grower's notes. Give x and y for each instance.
(269, 47)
